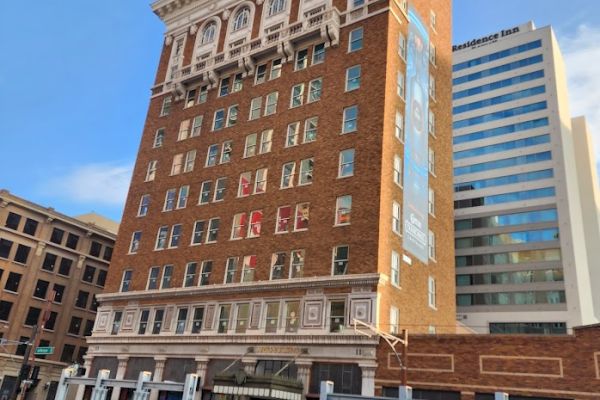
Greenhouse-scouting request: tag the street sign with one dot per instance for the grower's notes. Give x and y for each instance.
(44, 350)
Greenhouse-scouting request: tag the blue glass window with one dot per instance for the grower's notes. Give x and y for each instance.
(494, 148)
(528, 217)
(511, 112)
(503, 163)
(505, 98)
(511, 257)
(498, 84)
(502, 130)
(497, 55)
(532, 236)
(506, 298)
(504, 180)
(505, 198)
(498, 70)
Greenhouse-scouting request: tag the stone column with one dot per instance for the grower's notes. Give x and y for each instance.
(304, 374)
(87, 364)
(368, 380)
(120, 375)
(201, 367)
(157, 376)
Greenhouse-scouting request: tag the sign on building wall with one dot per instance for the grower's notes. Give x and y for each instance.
(416, 147)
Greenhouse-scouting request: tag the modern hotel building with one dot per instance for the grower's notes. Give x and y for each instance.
(522, 240)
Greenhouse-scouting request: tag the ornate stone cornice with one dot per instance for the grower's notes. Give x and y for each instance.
(249, 287)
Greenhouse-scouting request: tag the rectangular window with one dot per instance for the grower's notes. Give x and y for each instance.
(205, 275)
(395, 269)
(337, 316)
(203, 95)
(166, 106)
(255, 106)
(166, 277)
(353, 78)
(346, 164)
(170, 200)
(182, 314)
(432, 86)
(153, 278)
(197, 319)
(431, 292)
(190, 160)
(399, 126)
(175, 236)
(400, 84)
(64, 267)
(22, 254)
(5, 308)
(272, 319)
(340, 260)
(278, 261)
(301, 60)
(144, 205)
(431, 201)
(12, 221)
(266, 138)
(135, 242)
(151, 170)
(184, 130)
(394, 318)
(238, 83)
(398, 170)
(250, 145)
(261, 74)
(75, 326)
(315, 88)
(143, 325)
(287, 175)
(350, 119)
(292, 135)
(158, 320)
(260, 181)
(190, 274)
(213, 230)
(271, 103)
(248, 268)
(220, 187)
(402, 46)
(297, 97)
(297, 264)
(30, 226)
(159, 138)
(88, 274)
(205, 189)
(198, 232)
(224, 318)
(275, 69)
(5, 246)
(302, 216)
(177, 164)
(255, 223)
(310, 129)
(432, 19)
(224, 87)
(230, 269)
(218, 119)
(226, 149)
(57, 236)
(292, 316)
(431, 161)
(432, 55)
(82, 299)
(182, 196)
(116, 325)
(196, 126)
(343, 210)
(306, 172)
(212, 155)
(245, 184)
(13, 282)
(284, 214)
(318, 54)
(431, 124)
(396, 224)
(60, 291)
(232, 115)
(190, 98)
(243, 315)
(355, 40)
(161, 238)
(126, 280)
(431, 246)
(238, 228)
(49, 261)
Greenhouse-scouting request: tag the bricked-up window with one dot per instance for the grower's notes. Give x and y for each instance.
(230, 269)
(242, 317)
(51, 323)
(248, 268)
(203, 94)
(134, 246)
(224, 311)
(151, 170)
(75, 326)
(116, 325)
(355, 40)
(431, 125)
(41, 288)
(126, 280)
(255, 108)
(64, 268)
(431, 202)
(399, 126)
(261, 74)
(306, 172)
(397, 170)
(271, 103)
(59, 291)
(337, 316)
(276, 67)
(159, 138)
(49, 262)
(232, 115)
(318, 56)
(395, 268)
(5, 246)
(350, 120)
(278, 261)
(297, 96)
(33, 315)
(68, 353)
(218, 119)
(346, 163)
(153, 278)
(88, 274)
(196, 126)
(22, 254)
(5, 308)
(301, 59)
(197, 319)
(431, 245)
(394, 318)
(12, 282)
(161, 238)
(340, 259)
(284, 213)
(402, 46)
(400, 90)
(315, 89)
(292, 316)
(272, 318)
(297, 264)
(343, 210)
(396, 224)
(198, 232)
(206, 271)
(213, 230)
(166, 106)
(12, 221)
(143, 324)
(302, 216)
(30, 226)
(190, 274)
(166, 277)
(431, 292)
(82, 299)
(57, 235)
(175, 236)
(353, 78)
(182, 315)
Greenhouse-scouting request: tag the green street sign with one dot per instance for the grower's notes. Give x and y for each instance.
(44, 350)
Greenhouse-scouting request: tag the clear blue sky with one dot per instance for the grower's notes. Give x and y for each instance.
(75, 78)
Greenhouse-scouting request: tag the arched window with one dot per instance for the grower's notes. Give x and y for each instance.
(242, 17)
(208, 34)
(276, 6)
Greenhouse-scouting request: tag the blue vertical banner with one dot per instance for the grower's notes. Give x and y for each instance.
(416, 144)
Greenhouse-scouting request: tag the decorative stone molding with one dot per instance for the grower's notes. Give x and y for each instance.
(3, 203)
(169, 40)
(40, 248)
(226, 15)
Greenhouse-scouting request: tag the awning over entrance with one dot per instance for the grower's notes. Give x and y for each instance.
(258, 386)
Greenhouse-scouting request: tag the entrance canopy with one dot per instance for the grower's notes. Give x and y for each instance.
(258, 386)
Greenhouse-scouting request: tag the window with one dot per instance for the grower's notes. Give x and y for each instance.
(238, 229)
(224, 87)
(151, 170)
(301, 60)
(340, 260)
(255, 106)
(59, 291)
(297, 97)
(297, 264)
(293, 131)
(159, 138)
(230, 269)
(266, 138)
(278, 265)
(402, 46)
(399, 126)
(126, 280)
(432, 86)
(232, 115)
(271, 103)
(431, 125)
(12, 221)
(318, 54)
(350, 119)
(33, 316)
(243, 314)
(181, 321)
(250, 145)
(276, 66)
(82, 299)
(255, 223)
(432, 54)
(153, 278)
(49, 262)
(57, 236)
(292, 316)
(248, 268)
(184, 130)
(196, 126)
(432, 19)
(183, 196)
(88, 274)
(190, 274)
(13, 282)
(166, 106)
(395, 269)
(245, 184)
(314, 90)
(30, 227)
(203, 95)
(158, 320)
(198, 232)
(64, 267)
(302, 216)
(166, 278)
(310, 129)
(343, 210)
(5, 307)
(208, 33)
(212, 155)
(355, 40)
(220, 187)
(75, 326)
(260, 181)
(398, 170)
(400, 84)
(431, 292)
(238, 83)
(170, 200)
(205, 189)
(213, 230)
(394, 320)
(431, 161)
(219, 119)
(5, 246)
(346, 165)
(205, 275)
(223, 318)
(287, 175)
(431, 201)
(144, 205)
(306, 172)
(51, 323)
(272, 318)
(161, 238)
(190, 98)
(22, 254)
(353, 78)
(284, 214)
(241, 19)
(190, 160)
(396, 225)
(175, 236)
(135, 242)
(225, 152)
(143, 324)
(177, 164)
(261, 74)
(197, 319)
(337, 315)
(72, 241)
(431, 246)
(41, 288)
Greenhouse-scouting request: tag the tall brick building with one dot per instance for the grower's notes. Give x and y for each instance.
(294, 174)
